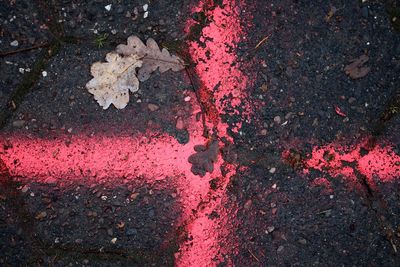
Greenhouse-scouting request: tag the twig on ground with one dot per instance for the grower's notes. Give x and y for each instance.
(262, 41)
(198, 98)
(253, 255)
(24, 49)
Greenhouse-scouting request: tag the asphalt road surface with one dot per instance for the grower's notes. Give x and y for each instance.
(277, 144)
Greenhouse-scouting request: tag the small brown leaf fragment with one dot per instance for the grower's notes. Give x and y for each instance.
(356, 68)
(134, 196)
(330, 14)
(41, 215)
(264, 87)
(120, 225)
(204, 158)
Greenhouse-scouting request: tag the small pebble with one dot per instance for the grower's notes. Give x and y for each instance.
(44, 73)
(247, 205)
(272, 170)
(277, 119)
(25, 189)
(146, 14)
(364, 11)
(14, 43)
(179, 124)
(120, 9)
(130, 232)
(152, 107)
(351, 100)
(110, 232)
(114, 240)
(302, 241)
(288, 116)
(18, 123)
(145, 7)
(108, 7)
(280, 249)
(187, 99)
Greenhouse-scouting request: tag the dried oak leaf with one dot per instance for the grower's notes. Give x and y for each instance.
(356, 68)
(151, 55)
(204, 158)
(114, 79)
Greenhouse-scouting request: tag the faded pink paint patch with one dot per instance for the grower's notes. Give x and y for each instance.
(324, 183)
(380, 162)
(376, 164)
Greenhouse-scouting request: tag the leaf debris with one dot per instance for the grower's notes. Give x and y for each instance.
(356, 68)
(153, 58)
(113, 79)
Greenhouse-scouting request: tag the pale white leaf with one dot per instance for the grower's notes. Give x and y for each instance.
(113, 79)
(153, 58)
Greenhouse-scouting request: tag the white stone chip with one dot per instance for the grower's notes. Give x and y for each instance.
(14, 43)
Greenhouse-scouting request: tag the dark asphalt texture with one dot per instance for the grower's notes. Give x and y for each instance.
(304, 60)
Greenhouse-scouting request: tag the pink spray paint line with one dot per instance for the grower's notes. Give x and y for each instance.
(378, 164)
(222, 81)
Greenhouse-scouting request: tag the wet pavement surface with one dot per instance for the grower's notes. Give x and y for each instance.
(267, 150)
